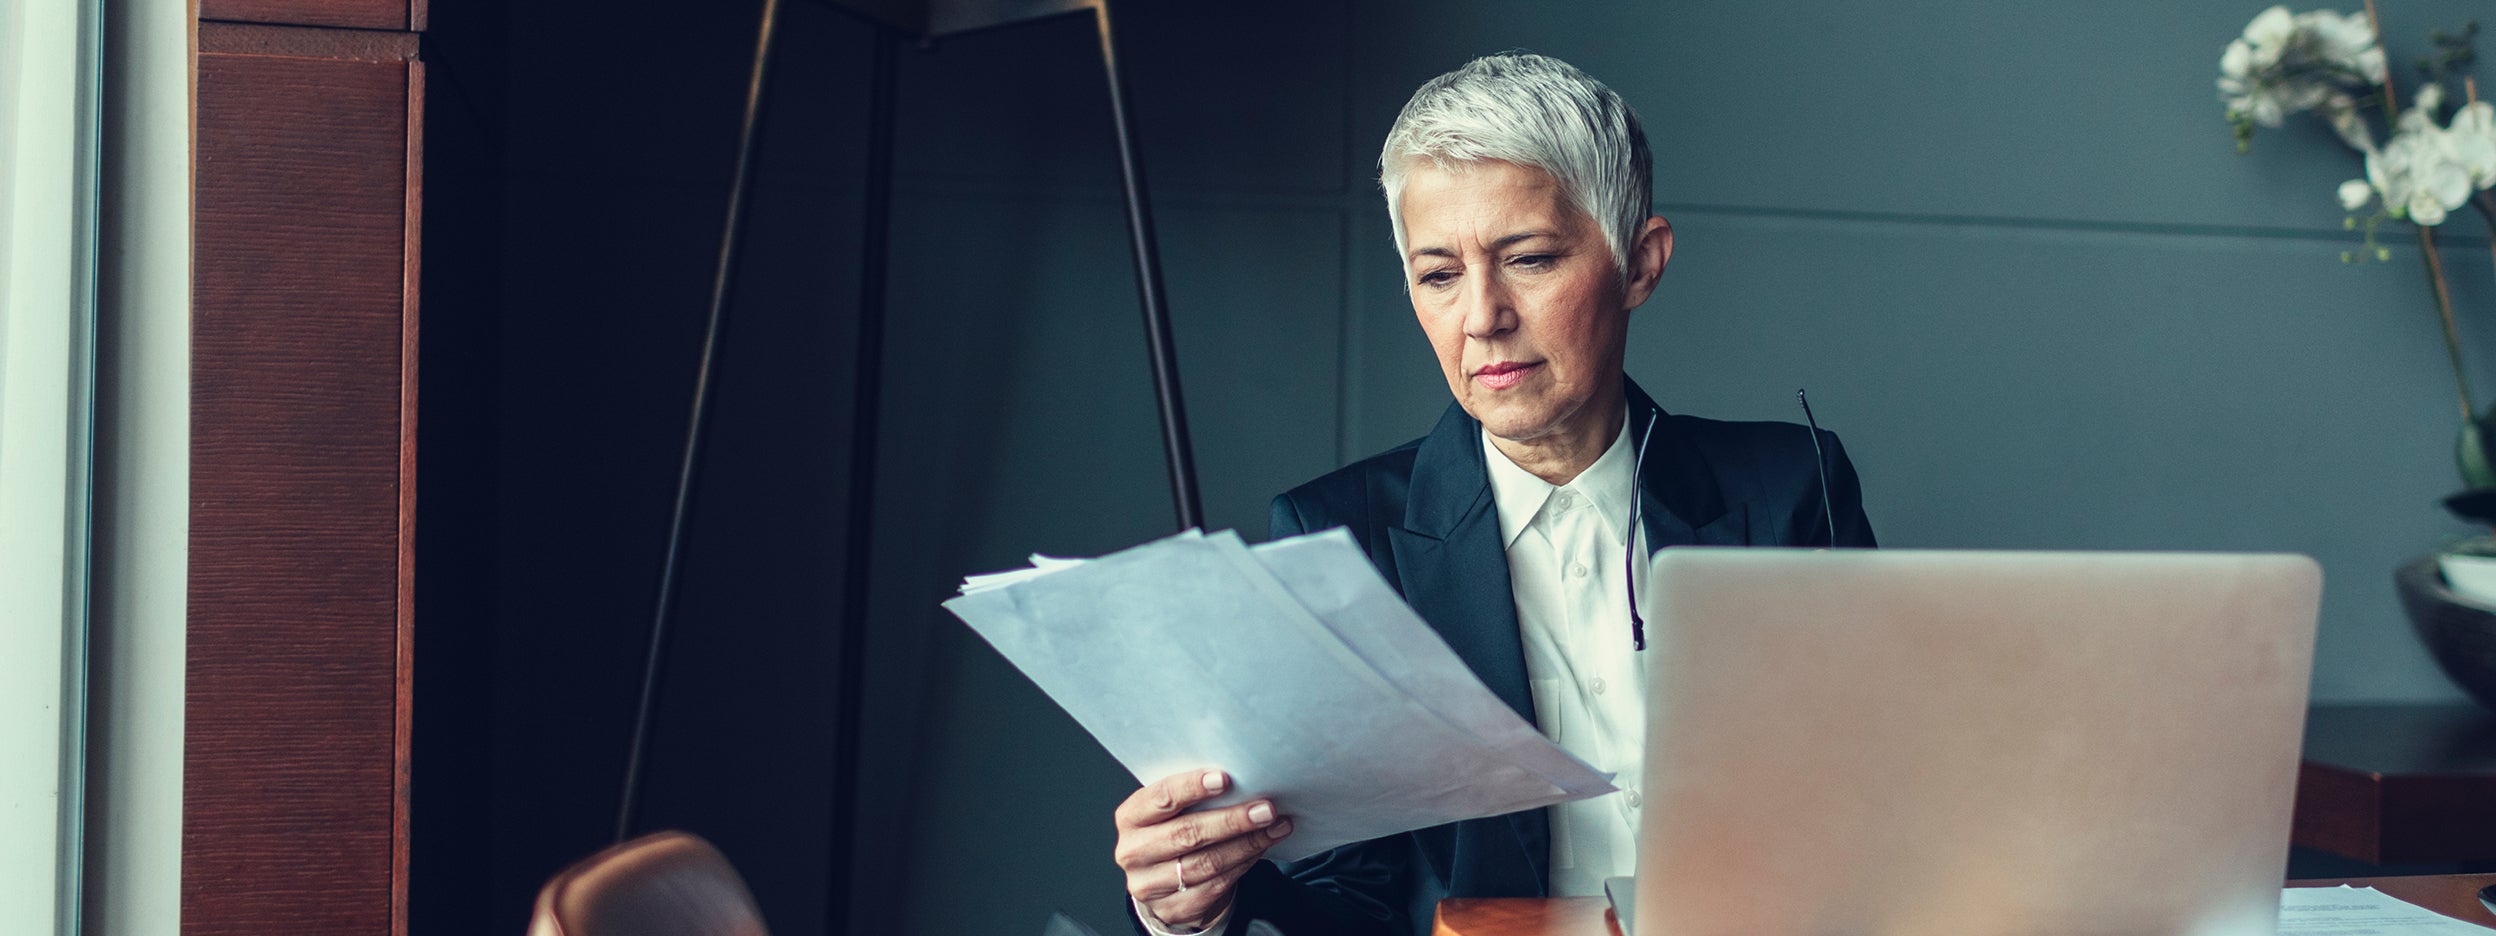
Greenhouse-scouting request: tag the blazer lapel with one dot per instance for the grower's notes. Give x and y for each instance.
(1455, 573)
(1455, 569)
(1679, 502)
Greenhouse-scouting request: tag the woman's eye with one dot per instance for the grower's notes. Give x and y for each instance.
(1532, 261)
(1436, 278)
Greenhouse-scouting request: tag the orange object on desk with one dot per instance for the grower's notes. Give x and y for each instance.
(2453, 895)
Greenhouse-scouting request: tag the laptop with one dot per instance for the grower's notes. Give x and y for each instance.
(1878, 742)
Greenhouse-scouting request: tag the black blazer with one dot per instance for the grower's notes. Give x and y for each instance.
(1424, 514)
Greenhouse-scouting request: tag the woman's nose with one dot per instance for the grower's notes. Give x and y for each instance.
(1490, 309)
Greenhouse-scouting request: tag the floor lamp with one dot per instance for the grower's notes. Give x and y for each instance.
(893, 21)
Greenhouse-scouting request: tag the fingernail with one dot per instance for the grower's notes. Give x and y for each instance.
(1279, 830)
(1261, 813)
(1215, 781)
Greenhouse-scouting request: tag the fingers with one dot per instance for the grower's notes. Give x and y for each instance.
(1162, 846)
(1210, 874)
(1170, 796)
(1219, 861)
(1142, 848)
(1201, 902)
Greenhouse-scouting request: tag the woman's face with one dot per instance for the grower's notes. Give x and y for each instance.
(1519, 295)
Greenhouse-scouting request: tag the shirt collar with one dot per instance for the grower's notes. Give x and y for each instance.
(1520, 496)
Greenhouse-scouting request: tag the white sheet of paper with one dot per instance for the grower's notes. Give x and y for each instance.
(1189, 652)
(1327, 574)
(2351, 911)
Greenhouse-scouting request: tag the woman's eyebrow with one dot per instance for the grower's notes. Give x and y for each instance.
(1503, 242)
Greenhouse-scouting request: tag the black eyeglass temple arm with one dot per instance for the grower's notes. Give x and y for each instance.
(1819, 460)
(1629, 563)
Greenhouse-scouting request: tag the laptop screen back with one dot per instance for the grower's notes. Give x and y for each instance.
(1971, 742)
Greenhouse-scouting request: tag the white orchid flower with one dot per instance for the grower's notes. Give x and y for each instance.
(2269, 101)
(2355, 193)
(2472, 137)
(2424, 173)
(2270, 34)
(2345, 41)
(2430, 99)
(2349, 123)
(2390, 172)
(2286, 63)
(2436, 193)
(2236, 63)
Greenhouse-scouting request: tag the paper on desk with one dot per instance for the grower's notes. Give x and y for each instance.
(1189, 652)
(2345, 911)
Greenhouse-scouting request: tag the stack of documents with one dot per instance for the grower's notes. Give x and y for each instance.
(1291, 665)
(2345, 911)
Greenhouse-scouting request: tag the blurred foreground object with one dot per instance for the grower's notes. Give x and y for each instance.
(662, 884)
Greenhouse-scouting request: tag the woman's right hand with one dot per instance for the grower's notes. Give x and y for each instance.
(1182, 867)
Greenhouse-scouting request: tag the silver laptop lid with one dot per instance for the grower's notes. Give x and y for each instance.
(1971, 742)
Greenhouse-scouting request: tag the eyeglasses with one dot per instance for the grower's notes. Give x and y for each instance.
(1629, 550)
(1637, 484)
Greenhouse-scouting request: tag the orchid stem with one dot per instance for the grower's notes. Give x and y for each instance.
(2444, 309)
(2391, 99)
(2487, 209)
(2486, 205)
(2426, 246)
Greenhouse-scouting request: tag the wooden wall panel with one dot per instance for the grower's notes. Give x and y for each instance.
(351, 14)
(295, 754)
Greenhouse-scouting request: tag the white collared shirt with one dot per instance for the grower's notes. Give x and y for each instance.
(1567, 558)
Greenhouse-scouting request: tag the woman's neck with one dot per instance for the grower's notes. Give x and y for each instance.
(1560, 455)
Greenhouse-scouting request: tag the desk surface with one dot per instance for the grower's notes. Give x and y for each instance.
(2454, 895)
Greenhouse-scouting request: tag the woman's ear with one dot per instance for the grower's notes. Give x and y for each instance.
(1647, 255)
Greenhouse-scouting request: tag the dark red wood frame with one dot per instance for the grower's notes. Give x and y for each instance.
(306, 189)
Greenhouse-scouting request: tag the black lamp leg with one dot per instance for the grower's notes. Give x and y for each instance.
(738, 186)
(1165, 357)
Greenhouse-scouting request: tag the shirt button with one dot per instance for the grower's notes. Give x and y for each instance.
(1598, 685)
(1577, 570)
(1567, 499)
(1633, 799)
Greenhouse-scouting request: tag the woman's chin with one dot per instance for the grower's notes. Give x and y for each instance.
(1515, 424)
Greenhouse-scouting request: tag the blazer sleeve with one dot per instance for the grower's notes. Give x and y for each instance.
(1284, 520)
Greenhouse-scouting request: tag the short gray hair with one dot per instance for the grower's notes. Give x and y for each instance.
(1531, 110)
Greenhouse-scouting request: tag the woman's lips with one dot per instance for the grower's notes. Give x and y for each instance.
(1503, 375)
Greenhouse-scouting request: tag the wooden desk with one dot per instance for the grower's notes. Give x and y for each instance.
(2454, 895)
(2396, 784)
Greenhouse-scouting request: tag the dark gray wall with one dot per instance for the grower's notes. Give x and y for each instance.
(578, 162)
(2013, 254)
(2009, 248)
(1023, 412)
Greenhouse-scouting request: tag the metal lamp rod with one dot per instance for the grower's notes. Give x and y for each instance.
(1165, 356)
(724, 274)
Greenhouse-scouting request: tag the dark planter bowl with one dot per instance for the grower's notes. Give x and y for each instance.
(2460, 635)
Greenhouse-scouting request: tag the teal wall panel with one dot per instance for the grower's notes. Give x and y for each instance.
(2088, 111)
(2044, 389)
